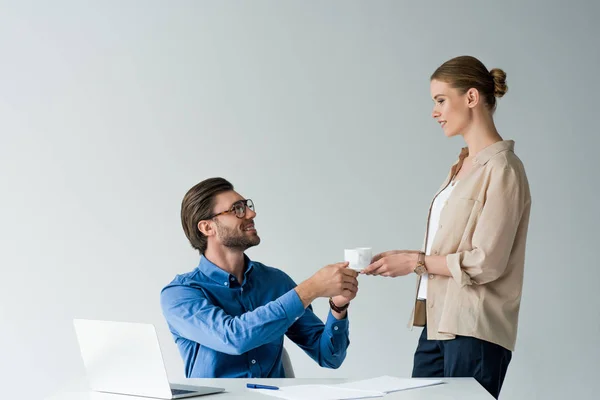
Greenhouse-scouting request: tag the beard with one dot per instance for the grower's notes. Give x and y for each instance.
(233, 238)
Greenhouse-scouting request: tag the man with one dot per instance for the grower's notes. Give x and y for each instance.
(228, 316)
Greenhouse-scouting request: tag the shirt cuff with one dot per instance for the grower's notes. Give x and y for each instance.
(336, 326)
(460, 276)
(292, 305)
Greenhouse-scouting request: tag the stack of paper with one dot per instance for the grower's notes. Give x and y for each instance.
(388, 384)
(368, 388)
(319, 392)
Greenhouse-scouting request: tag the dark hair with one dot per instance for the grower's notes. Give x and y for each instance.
(466, 72)
(197, 205)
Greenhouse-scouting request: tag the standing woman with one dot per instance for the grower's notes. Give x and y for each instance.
(470, 272)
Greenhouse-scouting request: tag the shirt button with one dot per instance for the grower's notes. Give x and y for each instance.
(253, 361)
(225, 283)
(242, 289)
(335, 328)
(431, 276)
(232, 278)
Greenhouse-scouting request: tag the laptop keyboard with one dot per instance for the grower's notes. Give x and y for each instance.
(176, 392)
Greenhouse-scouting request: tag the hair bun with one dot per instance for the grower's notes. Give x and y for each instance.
(499, 77)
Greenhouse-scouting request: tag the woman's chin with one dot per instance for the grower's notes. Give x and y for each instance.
(450, 133)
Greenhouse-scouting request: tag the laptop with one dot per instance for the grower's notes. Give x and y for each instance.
(125, 358)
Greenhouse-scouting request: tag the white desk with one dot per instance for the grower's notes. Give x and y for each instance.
(454, 388)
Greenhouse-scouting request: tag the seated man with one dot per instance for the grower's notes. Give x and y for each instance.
(228, 316)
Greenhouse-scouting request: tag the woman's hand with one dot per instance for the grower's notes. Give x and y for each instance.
(393, 263)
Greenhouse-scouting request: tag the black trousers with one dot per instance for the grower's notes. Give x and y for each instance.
(462, 356)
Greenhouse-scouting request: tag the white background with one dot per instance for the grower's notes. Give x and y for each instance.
(319, 112)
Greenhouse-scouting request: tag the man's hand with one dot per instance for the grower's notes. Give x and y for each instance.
(345, 298)
(336, 279)
(330, 281)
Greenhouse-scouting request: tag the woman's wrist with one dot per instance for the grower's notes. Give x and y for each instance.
(437, 265)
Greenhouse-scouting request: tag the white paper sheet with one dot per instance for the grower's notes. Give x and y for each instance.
(389, 384)
(319, 392)
(363, 389)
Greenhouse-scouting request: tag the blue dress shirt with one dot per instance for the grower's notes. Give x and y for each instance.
(224, 329)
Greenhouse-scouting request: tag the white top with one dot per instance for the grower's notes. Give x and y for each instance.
(434, 223)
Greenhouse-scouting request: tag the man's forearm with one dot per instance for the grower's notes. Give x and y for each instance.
(338, 315)
(334, 342)
(307, 293)
(340, 302)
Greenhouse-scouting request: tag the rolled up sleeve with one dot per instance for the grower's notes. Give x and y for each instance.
(494, 232)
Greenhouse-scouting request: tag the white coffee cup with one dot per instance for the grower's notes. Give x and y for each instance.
(359, 257)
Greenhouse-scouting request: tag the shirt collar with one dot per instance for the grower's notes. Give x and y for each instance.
(487, 153)
(218, 275)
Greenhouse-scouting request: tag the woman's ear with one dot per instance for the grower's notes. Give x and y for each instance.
(472, 97)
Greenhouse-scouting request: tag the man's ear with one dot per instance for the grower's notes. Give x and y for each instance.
(206, 228)
(472, 97)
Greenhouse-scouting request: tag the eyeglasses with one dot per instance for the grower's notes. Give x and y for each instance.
(239, 208)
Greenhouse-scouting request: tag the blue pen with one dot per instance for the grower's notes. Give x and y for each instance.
(257, 386)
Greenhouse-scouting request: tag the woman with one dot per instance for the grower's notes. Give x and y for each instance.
(470, 272)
